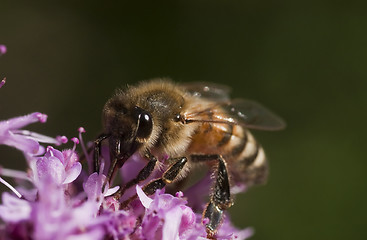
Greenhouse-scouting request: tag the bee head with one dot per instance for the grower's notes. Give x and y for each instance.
(128, 125)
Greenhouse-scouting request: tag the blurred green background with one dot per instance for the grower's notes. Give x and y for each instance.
(305, 60)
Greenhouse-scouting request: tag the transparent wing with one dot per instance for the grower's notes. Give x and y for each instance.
(239, 111)
(210, 91)
(253, 115)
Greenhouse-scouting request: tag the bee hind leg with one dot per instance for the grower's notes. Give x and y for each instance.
(220, 198)
(168, 177)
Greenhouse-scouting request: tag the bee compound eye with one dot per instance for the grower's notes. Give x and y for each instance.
(145, 125)
(177, 117)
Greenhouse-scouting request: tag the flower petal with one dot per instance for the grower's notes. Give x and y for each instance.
(20, 142)
(19, 122)
(172, 223)
(93, 186)
(111, 191)
(144, 199)
(188, 218)
(50, 169)
(95, 233)
(55, 153)
(73, 172)
(37, 137)
(14, 209)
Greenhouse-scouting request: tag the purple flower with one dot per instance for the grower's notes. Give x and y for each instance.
(2, 82)
(3, 49)
(24, 140)
(56, 167)
(93, 188)
(60, 200)
(14, 209)
(167, 217)
(55, 216)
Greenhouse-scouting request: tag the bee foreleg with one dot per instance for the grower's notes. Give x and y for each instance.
(112, 171)
(143, 174)
(168, 176)
(220, 199)
(97, 150)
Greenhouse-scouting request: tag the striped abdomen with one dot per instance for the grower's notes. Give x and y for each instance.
(244, 156)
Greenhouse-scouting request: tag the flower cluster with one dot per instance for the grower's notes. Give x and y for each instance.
(64, 202)
(57, 198)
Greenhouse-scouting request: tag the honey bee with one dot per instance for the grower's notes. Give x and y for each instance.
(191, 123)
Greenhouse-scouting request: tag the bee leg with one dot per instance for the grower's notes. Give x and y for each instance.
(168, 177)
(143, 174)
(97, 150)
(220, 199)
(116, 163)
(111, 171)
(214, 215)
